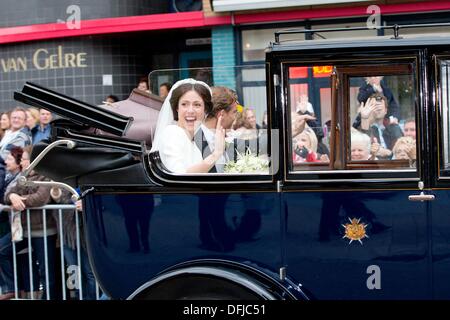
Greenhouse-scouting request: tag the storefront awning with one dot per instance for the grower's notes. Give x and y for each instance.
(239, 5)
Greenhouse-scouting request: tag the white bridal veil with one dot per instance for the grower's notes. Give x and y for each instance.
(165, 117)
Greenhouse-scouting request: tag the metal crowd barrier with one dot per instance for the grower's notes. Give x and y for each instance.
(67, 283)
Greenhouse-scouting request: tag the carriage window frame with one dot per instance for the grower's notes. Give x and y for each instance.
(288, 162)
(361, 170)
(443, 173)
(158, 172)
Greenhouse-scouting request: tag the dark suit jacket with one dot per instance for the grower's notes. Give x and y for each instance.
(202, 144)
(257, 146)
(390, 134)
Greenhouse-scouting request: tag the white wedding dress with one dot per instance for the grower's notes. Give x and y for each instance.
(177, 151)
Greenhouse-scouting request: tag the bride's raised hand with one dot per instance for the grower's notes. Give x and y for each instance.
(219, 141)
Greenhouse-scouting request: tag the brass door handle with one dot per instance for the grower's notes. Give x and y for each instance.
(421, 197)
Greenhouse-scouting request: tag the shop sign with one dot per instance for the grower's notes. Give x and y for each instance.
(44, 59)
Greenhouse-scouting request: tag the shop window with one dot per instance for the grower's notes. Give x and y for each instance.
(412, 31)
(343, 34)
(254, 42)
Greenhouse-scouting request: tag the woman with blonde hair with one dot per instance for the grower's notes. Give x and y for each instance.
(405, 148)
(32, 118)
(239, 122)
(305, 146)
(245, 126)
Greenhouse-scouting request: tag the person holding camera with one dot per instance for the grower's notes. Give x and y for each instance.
(372, 85)
(305, 148)
(383, 137)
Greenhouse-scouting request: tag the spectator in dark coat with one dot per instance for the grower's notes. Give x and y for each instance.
(13, 168)
(22, 197)
(375, 85)
(383, 137)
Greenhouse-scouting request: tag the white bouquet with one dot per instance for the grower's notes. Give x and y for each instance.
(247, 163)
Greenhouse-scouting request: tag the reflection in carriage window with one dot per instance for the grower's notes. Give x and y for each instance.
(360, 146)
(310, 116)
(444, 68)
(359, 127)
(382, 108)
(247, 134)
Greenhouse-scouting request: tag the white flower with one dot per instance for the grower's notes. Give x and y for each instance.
(247, 163)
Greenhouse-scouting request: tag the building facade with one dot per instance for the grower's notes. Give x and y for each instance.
(89, 50)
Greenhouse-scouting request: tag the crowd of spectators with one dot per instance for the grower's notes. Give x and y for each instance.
(20, 130)
(391, 137)
(378, 132)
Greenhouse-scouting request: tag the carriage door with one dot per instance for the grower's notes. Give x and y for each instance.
(440, 216)
(354, 229)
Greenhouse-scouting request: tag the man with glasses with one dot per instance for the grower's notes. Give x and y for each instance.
(16, 136)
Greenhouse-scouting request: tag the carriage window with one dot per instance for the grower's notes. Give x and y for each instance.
(368, 122)
(382, 118)
(214, 121)
(444, 74)
(310, 116)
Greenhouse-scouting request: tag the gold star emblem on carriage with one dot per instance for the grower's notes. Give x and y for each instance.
(355, 230)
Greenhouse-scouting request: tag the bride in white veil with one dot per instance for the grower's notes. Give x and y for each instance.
(190, 100)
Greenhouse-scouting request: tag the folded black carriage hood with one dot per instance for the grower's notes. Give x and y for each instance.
(78, 111)
(100, 157)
